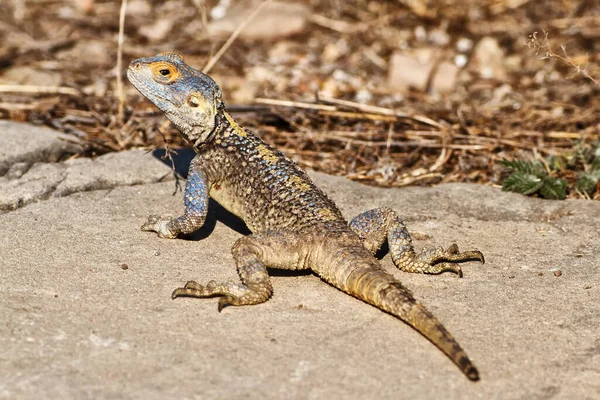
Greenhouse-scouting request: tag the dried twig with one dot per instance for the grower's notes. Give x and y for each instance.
(369, 112)
(348, 27)
(213, 60)
(358, 115)
(335, 25)
(535, 44)
(446, 152)
(332, 136)
(201, 6)
(380, 110)
(121, 39)
(39, 89)
(169, 154)
(295, 104)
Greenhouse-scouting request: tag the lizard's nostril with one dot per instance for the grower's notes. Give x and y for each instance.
(136, 65)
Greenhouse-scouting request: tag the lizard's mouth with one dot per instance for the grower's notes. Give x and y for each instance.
(151, 92)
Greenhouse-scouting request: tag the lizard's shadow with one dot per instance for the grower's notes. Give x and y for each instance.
(181, 162)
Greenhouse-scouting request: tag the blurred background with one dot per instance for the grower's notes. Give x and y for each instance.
(389, 93)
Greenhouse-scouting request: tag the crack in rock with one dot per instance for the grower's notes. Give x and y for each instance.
(23, 185)
(26, 144)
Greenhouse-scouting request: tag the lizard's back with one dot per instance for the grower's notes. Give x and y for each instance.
(266, 189)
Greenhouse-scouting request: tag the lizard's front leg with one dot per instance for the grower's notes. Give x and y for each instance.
(252, 255)
(377, 225)
(196, 207)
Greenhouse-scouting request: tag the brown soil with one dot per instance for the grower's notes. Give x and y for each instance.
(349, 117)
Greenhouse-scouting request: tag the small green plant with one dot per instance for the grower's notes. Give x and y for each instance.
(542, 177)
(588, 182)
(531, 177)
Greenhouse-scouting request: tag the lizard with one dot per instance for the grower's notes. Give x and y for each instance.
(293, 224)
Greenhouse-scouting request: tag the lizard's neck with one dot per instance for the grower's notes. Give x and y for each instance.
(209, 136)
(230, 125)
(225, 126)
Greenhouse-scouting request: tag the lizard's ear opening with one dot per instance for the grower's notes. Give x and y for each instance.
(202, 112)
(192, 101)
(202, 109)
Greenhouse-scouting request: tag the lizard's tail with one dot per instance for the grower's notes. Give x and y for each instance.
(367, 281)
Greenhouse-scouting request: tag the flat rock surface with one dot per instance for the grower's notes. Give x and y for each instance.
(85, 307)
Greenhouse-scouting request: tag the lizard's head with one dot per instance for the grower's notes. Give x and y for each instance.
(189, 98)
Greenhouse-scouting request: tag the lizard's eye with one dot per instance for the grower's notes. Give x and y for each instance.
(163, 72)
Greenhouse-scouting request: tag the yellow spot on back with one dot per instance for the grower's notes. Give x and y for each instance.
(236, 128)
(299, 183)
(266, 153)
(326, 214)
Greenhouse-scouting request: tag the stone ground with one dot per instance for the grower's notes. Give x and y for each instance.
(85, 308)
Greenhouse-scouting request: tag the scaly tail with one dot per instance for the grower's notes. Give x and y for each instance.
(361, 276)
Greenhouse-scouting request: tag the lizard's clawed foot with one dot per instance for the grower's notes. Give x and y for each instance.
(437, 260)
(233, 294)
(160, 225)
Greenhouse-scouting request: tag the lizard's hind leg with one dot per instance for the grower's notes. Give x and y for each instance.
(252, 255)
(377, 225)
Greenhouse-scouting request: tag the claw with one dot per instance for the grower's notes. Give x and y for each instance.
(453, 249)
(224, 301)
(193, 285)
(177, 293)
(481, 257)
(151, 223)
(211, 285)
(447, 267)
(147, 227)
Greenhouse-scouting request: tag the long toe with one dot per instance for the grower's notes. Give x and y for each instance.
(186, 292)
(474, 255)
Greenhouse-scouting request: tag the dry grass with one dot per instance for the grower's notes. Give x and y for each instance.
(540, 108)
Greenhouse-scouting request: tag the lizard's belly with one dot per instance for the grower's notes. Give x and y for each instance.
(250, 208)
(228, 199)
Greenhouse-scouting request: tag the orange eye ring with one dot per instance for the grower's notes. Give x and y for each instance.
(164, 72)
